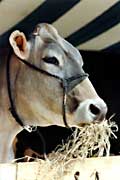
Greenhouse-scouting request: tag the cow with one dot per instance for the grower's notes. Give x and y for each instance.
(42, 83)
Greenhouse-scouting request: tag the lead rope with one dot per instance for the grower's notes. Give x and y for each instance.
(12, 108)
(64, 82)
(65, 89)
(64, 104)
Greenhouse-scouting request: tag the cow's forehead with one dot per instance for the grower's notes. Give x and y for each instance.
(61, 46)
(49, 35)
(70, 50)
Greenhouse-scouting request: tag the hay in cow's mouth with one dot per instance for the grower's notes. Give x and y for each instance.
(91, 140)
(88, 141)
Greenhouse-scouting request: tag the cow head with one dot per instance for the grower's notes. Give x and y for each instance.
(38, 95)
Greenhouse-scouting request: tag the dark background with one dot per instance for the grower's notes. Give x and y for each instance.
(104, 72)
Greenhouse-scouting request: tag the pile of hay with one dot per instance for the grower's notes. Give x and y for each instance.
(88, 141)
(91, 140)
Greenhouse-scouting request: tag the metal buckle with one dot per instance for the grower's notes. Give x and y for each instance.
(30, 128)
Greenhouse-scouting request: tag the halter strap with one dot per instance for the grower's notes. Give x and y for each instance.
(12, 106)
(65, 83)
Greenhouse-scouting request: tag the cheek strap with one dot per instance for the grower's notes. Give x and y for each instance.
(68, 84)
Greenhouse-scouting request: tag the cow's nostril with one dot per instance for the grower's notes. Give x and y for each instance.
(94, 109)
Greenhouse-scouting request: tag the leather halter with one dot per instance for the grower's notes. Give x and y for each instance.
(65, 83)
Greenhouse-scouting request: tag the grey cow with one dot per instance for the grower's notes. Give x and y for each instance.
(42, 83)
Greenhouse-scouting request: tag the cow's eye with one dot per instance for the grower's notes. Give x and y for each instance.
(51, 60)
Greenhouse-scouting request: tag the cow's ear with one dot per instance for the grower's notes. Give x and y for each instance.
(19, 44)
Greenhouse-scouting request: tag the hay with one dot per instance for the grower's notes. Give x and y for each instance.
(88, 141)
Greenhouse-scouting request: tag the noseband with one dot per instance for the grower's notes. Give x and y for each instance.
(65, 84)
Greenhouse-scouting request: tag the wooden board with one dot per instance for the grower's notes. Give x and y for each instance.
(105, 168)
